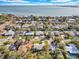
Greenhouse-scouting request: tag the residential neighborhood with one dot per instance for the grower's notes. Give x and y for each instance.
(39, 37)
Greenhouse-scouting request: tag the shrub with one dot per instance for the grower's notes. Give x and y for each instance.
(7, 42)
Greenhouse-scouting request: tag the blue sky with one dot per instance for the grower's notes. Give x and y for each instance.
(39, 2)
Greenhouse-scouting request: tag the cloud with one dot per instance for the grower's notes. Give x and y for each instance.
(27, 4)
(13, 1)
(35, 0)
(40, 2)
(60, 0)
(65, 2)
(69, 3)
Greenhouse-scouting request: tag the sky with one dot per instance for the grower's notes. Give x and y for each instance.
(39, 2)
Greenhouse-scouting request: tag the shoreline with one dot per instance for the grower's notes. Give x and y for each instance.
(37, 15)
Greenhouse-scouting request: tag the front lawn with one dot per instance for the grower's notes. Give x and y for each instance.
(3, 37)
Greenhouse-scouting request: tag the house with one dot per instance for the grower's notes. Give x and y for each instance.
(56, 26)
(20, 32)
(54, 20)
(24, 20)
(74, 34)
(33, 23)
(1, 32)
(77, 33)
(29, 33)
(71, 20)
(40, 25)
(56, 33)
(12, 47)
(18, 26)
(38, 46)
(52, 48)
(25, 26)
(18, 21)
(39, 33)
(30, 18)
(71, 33)
(53, 33)
(42, 19)
(62, 36)
(23, 48)
(9, 33)
(72, 49)
(60, 26)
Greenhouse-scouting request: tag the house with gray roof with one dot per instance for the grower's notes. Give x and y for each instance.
(72, 49)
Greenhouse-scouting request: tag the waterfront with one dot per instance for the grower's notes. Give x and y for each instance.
(38, 32)
(40, 10)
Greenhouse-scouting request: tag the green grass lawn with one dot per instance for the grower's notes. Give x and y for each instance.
(3, 37)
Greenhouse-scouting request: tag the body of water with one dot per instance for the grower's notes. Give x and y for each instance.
(40, 10)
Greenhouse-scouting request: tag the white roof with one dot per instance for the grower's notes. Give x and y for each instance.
(39, 33)
(71, 19)
(39, 46)
(10, 32)
(52, 48)
(29, 33)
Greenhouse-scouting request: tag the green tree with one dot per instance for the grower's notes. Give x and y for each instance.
(29, 55)
(13, 55)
